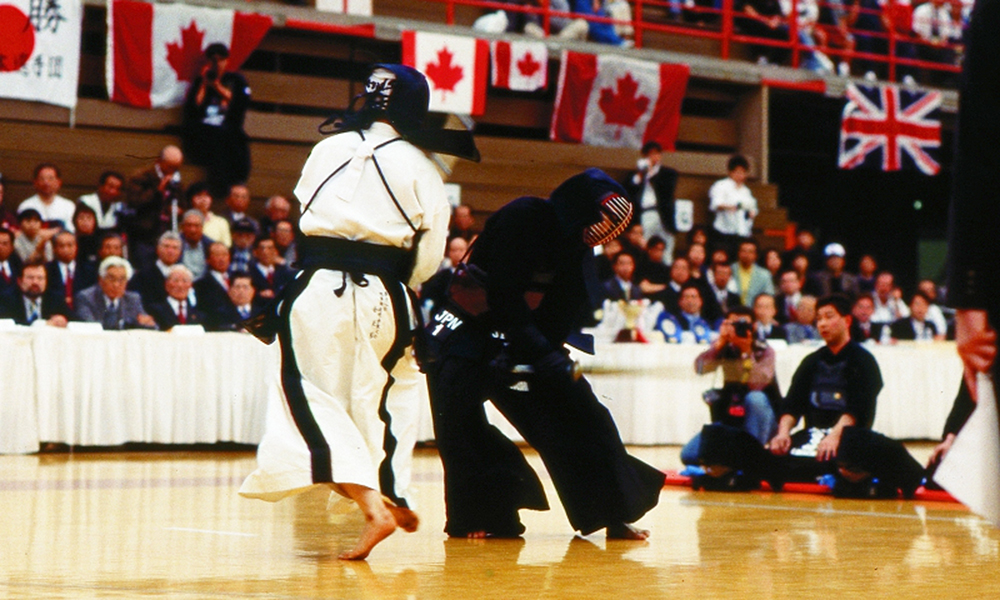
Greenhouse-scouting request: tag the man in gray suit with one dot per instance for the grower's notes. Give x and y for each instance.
(108, 302)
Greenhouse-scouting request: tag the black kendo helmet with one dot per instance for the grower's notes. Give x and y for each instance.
(394, 93)
(592, 202)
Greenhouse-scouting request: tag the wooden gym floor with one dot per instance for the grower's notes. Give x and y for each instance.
(170, 525)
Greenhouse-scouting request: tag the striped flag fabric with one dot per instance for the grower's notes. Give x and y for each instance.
(156, 50)
(616, 101)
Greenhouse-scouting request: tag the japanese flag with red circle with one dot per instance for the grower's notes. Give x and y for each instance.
(40, 50)
(521, 66)
(612, 100)
(455, 67)
(155, 51)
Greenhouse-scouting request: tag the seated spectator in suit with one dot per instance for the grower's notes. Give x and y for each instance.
(87, 235)
(241, 304)
(111, 244)
(10, 263)
(862, 327)
(652, 273)
(835, 390)
(620, 287)
(56, 212)
(603, 260)
(149, 282)
(237, 203)
(276, 209)
(889, 304)
(66, 274)
(107, 202)
(241, 253)
(463, 224)
(177, 309)
(917, 326)
(935, 314)
(749, 384)
(434, 291)
(214, 226)
(867, 268)
(833, 279)
(32, 243)
(284, 240)
(722, 296)
(28, 303)
(109, 303)
(212, 288)
(194, 242)
(693, 325)
(751, 278)
(789, 294)
(268, 276)
(802, 329)
(764, 311)
(680, 273)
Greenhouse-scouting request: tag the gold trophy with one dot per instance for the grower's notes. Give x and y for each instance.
(632, 310)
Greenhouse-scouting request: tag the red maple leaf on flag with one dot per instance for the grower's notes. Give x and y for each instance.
(185, 57)
(528, 66)
(623, 107)
(444, 75)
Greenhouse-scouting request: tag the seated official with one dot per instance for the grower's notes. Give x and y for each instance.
(268, 276)
(834, 390)
(802, 328)
(687, 324)
(722, 296)
(149, 282)
(178, 308)
(620, 287)
(212, 288)
(916, 326)
(765, 311)
(109, 303)
(669, 295)
(10, 262)
(749, 385)
(28, 304)
(241, 304)
(862, 327)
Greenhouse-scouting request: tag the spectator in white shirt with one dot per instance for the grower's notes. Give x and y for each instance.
(107, 200)
(57, 212)
(733, 204)
(889, 304)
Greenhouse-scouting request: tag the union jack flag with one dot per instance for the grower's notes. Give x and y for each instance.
(890, 128)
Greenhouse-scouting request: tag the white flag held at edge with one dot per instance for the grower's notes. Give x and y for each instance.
(970, 471)
(40, 50)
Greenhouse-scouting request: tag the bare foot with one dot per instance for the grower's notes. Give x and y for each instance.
(406, 519)
(377, 527)
(626, 531)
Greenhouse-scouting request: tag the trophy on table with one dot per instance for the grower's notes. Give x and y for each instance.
(632, 310)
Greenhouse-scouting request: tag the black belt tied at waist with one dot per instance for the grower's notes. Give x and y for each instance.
(355, 257)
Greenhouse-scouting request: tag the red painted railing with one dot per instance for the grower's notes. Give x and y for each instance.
(724, 28)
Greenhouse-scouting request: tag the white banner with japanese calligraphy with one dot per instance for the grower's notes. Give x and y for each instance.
(40, 50)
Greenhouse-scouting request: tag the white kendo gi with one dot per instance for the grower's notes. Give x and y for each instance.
(350, 421)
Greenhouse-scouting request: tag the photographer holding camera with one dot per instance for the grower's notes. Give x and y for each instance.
(214, 110)
(744, 400)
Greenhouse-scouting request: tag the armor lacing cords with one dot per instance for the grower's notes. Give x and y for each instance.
(357, 277)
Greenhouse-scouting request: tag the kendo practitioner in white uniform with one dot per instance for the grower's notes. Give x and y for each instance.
(374, 222)
(529, 285)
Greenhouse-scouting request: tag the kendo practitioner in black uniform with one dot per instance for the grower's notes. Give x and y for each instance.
(527, 288)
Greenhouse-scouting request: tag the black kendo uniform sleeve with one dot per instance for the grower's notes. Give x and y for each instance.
(796, 401)
(864, 384)
(515, 245)
(973, 243)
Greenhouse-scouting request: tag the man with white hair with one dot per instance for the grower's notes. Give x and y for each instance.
(276, 209)
(149, 281)
(109, 303)
(177, 309)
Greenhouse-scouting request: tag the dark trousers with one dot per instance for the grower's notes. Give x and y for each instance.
(487, 478)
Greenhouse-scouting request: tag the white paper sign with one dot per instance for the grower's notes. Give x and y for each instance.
(40, 50)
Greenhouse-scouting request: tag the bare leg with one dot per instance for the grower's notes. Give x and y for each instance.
(379, 522)
(626, 531)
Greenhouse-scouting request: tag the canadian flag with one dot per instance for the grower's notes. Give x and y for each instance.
(156, 50)
(520, 66)
(455, 68)
(612, 100)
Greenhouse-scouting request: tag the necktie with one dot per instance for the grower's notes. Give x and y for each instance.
(69, 287)
(244, 313)
(270, 277)
(34, 313)
(5, 273)
(111, 319)
(225, 281)
(181, 316)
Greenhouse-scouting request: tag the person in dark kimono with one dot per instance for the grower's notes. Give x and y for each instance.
(529, 286)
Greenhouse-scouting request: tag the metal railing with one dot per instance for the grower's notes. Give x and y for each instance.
(723, 24)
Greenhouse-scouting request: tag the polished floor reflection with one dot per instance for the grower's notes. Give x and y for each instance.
(115, 525)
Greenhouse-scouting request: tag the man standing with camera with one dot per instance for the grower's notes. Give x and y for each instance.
(748, 374)
(214, 110)
(651, 189)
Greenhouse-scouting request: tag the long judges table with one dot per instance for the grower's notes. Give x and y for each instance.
(109, 388)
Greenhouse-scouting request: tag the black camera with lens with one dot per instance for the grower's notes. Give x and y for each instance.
(742, 329)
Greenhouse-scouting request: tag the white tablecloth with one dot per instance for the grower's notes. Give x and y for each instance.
(109, 388)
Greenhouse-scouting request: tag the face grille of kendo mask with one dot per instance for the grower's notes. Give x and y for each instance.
(616, 212)
(378, 89)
